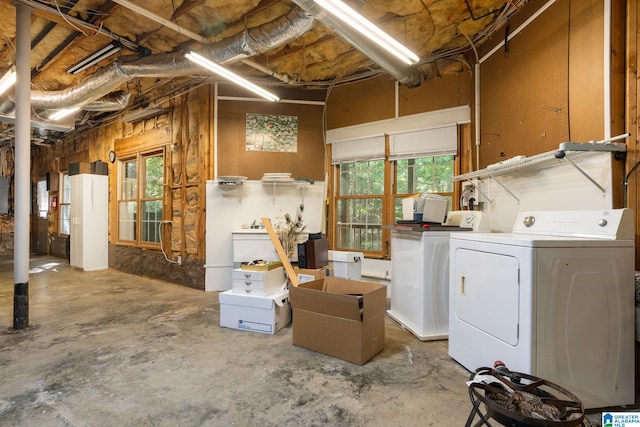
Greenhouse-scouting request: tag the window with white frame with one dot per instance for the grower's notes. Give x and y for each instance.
(420, 161)
(360, 168)
(140, 198)
(359, 205)
(424, 163)
(64, 209)
(422, 175)
(42, 195)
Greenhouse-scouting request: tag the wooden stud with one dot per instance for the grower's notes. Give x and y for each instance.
(293, 277)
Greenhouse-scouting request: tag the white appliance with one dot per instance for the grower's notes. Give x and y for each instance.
(420, 274)
(89, 217)
(554, 299)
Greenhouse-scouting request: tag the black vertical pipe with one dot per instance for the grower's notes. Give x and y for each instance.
(20, 305)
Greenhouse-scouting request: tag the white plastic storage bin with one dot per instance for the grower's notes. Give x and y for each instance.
(347, 265)
(265, 314)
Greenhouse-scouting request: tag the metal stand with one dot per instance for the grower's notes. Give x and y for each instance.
(514, 399)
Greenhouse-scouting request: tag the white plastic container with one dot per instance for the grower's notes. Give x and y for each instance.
(347, 265)
(265, 314)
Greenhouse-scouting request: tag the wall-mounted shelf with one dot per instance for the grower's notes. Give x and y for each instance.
(228, 183)
(535, 163)
(302, 184)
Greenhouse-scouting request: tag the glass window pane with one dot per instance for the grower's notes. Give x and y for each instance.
(151, 219)
(359, 224)
(129, 177)
(154, 177)
(362, 178)
(66, 189)
(65, 215)
(424, 175)
(127, 220)
(43, 199)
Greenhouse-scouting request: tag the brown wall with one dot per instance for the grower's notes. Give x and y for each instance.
(234, 159)
(374, 100)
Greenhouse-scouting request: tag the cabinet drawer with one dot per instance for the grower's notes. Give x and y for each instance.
(259, 283)
(255, 288)
(276, 275)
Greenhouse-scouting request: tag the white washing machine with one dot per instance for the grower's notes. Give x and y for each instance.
(554, 299)
(420, 273)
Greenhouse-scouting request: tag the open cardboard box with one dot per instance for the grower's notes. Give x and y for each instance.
(339, 317)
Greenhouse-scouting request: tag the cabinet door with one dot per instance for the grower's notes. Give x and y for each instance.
(485, 289)
(76, 232)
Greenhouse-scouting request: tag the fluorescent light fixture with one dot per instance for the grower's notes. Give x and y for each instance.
(60, 114)
(8, 80)
(143, 114)
(221, 71)
(95, 57)
(368, 29)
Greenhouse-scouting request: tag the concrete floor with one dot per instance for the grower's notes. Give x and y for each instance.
(106, 348)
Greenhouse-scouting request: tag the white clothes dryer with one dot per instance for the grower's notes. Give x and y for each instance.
(554, 299)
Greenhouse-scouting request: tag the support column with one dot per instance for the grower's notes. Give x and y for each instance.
(22, 168)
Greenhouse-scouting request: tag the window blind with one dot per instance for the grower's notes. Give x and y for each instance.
(357, 149)
(440, 141)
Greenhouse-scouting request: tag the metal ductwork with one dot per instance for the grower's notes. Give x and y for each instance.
(115, 101)
(249, 43)
(409, 76)
(91, 94)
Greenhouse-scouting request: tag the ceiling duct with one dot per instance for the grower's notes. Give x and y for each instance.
(115, 101)
(406, 75)
(246, 44)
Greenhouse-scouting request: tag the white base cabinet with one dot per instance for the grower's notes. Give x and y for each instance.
(89, 222)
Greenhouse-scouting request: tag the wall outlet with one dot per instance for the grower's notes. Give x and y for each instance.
(179, 260)
(471, 190)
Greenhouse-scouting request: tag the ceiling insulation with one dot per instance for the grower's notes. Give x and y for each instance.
(311, 57)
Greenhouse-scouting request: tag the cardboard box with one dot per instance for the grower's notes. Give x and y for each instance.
(340, 318)
(309, 275)
(347, 265)
(264, 314)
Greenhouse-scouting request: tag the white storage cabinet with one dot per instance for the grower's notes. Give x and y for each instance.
(89, 214)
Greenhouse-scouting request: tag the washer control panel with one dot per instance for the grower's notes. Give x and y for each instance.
(475, 220)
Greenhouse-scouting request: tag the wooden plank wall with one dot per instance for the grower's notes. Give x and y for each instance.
(632, 100)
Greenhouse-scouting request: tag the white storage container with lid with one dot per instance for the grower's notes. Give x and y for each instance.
(347, 265)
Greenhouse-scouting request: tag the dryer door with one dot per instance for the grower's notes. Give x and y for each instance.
(486, 293)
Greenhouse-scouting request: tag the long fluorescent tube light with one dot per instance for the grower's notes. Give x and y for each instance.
(8, 80)
(95, 57)
(221, 71)
(60, 114)
(143, 114)
(368, 29)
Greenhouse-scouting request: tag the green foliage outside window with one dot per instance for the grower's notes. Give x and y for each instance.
(361, 196)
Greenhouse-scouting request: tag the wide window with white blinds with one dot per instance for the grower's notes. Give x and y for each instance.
(374, 172)
(358, 149)
(440, 141)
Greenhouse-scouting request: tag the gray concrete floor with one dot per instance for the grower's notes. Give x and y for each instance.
(106, 348)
